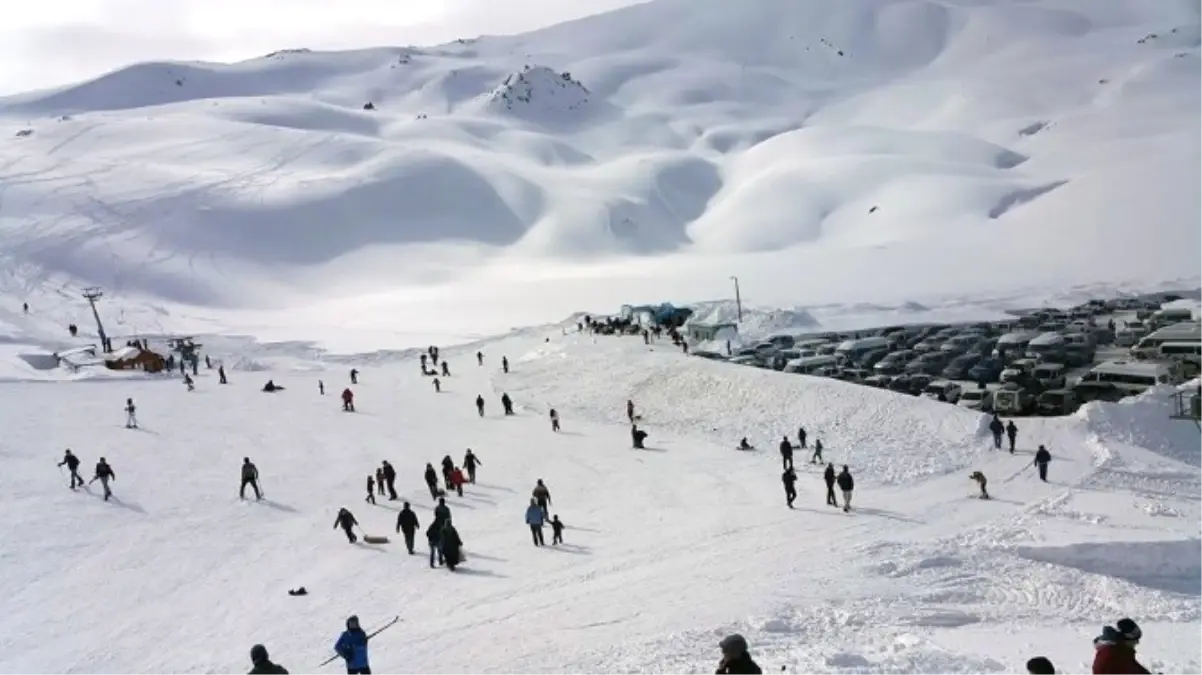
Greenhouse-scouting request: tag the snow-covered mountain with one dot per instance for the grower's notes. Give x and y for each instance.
(892, 149)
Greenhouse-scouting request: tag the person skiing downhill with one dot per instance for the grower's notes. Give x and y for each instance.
(406, 523)
(789, 478)
(131, 414)
(846, 484)
(352, 647)
(1011, 434)
(470, 462)
(250, 476)
(542, 496)
(72, 463)
(829, 477)
(346, 520)
(104, 473)
(534, 518)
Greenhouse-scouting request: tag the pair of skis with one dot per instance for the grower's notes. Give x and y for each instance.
(371, 635)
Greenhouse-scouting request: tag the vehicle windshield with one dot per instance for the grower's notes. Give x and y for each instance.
(972, 395)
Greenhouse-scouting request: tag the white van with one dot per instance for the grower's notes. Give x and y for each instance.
(1013, 345)
(1167, 317)
(810, 365)
(1046, 346)
(1149, 346)
(1131, 377)
(1129, 335)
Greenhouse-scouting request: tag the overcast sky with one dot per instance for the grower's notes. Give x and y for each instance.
(44, 43)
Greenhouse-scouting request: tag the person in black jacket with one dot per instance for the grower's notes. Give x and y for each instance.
(470, 462)
(506, 403)
(735, 659)
(448, 468)
(789, 478)
(846, 484)
(262, 664)
(389, 479)
(480, 405)
(786, 454)
(1012, 434)
(371, 489)
(451, 545)
(434, 539)
(442, 512)
(997, 429)
(72, 463)
(104, 473)
(816, 458)
(406, 522)
(829, 477)
(801, 437)
(250, 476)
(346, 520)
(1042, 457)
(431, 477)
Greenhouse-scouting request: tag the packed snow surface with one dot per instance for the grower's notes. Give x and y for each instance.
(644, 154)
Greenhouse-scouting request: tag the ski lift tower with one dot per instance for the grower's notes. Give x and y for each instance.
(1187, 405)
(92, 295)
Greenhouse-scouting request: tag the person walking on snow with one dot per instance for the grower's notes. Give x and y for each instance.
(321, 387)
(250, 476)
(506, 403)
(789, 478)
(829, 477)
(451, 545)
(434, 539)
(221, 375)
(1042, 457)
(389, 479)
(348, 400)
(1012, 434)
(470, 462)
(371, 489)
(786, 454)
(997, 429)
(104, 473)
(816, 458)
(346, 520)
(442, 512)
(846, 485)
(448, 467)
(457, 480)
(446, 370)
(406, 523)
(354, 376)
(72, 463)
(554, 420)
(131, 414)
(437, 386)
(542, 496)
(262, 665)
(189, 383)
(801, 437)
(534, 518)
(630, 411)
(480, 405)
(981, 481)
(556, 531)
(431, 477)
(352, 647)
(479, 358)
(380, 480)
(505, 364)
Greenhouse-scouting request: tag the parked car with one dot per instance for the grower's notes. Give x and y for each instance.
(1057, 402)
(894, 362)
(1013, 401)
(900, 384)
(919, 382)
(930, 363)
(1050, 375)
(959, 366)
(987, 370)
(942, 390)
(976, 399)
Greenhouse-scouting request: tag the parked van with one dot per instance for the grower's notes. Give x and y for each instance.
(1013, 401)
(810, 365)
(854, 350)
(1131, 377)
(1187, 354)
(950, 391)
(1049, 375)
(1166, 317)
(1013, 345)
(1129, 335)
(1047, 347)
(1149, 346)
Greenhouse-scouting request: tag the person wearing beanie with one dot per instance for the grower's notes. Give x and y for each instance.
(263, 664)
(352, 647)
(1040, 666)
(735, 659)
(1115, 650)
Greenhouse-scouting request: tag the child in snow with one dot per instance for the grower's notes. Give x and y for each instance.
(556, 530)
(371, 489)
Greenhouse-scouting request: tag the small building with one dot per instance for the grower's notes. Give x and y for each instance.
(665, 315)
(707, 332)
(135, 358)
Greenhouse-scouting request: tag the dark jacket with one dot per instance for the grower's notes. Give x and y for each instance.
(389, 472)
(431, 476)
(786, 448)
(71, 461)
(406, 520)
(434, 533)
(103, 469)
(345, 520)
(1042, 456)
(541, 493)
(1115, 656)
(829, 476)
(268, 668)
(996, 427)
(450, 543)
(789, 477)
(846, 482)
(470, 461)
(1011, 430)
(442, 513)
(741, 665)
(249, 472)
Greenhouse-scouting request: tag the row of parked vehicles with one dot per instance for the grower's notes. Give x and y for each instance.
(1017, 367)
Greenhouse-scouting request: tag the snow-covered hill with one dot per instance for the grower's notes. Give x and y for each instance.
(654, 150)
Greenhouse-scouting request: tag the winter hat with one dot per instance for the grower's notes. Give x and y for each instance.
(352, 622)
(1040, 666)
(733, 644)
(1129, 630)
(258, 654)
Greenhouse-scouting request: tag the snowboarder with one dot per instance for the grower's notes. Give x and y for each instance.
(446, 370)
(542, 496)
(451, 545)
(321, 387)
(1042, 457)
(448, 467)
(72, 463)
(789, 478)
(846, 485)
(346, 520)
(1012, 434)
(534, 518)
(442, 512)
(506, 403)
(816, 458)
(981, 481)
(637, 437)
(829, 477)
(470, 462)
(556, 531)
(735, 659)
(434, 539)
(354, 376)
(1115, 649)
(786, 454)
(221, 375)
(380, 479)
(352, 647)
(131, 414)
(457, 480)
(630, 411)
(250, 476)
(371, 489)
(262, 665)
(437, 386)
(406, 523)
(554, 420)
(389, 474)
(104, 473)
(505, 364)
(480, 405)
(431, 477)
(997, 429)
(348, 400)
(479, 358)
(801, 437)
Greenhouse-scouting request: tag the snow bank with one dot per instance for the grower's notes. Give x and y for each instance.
(1144, 421)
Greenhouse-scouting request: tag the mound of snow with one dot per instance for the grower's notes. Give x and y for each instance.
(1144, 421)
(538, 92)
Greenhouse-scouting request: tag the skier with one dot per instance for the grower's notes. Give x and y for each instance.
(348, 400)
(1012, 433)
(457, 480)
(470, 462)
(997, 429)
(789, 478)
(189, 383)
(442, 512)
(801, 437)
(505, 364)
(72, 463)
(431, 477)
(104, 473)
(437, 386)
(262, 665)
(637, 437)
(434, 539)
(352, 647)
(448, 466)
(735, 659)
(446, 370)
(480, 405)
(479, 358)
(371, 489)
(131, 414)
(1042, 457)
(406, 523)
(534, 518)
(816, 458)
(981, 481)
(630, 410)
(554, 420)
(380, 479)
(354, 376)
(542, 496)
(321, 387)
(1115, 649)
(250, 476)
(389, 479)
(846, 485)
(346, 520)
(786, 453)
(829, 477)
(506, 403)
(221, 375)
(556, 530)
(451, 545)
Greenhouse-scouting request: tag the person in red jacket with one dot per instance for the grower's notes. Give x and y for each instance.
(348, 400)
(1115, 650)
(457, 480)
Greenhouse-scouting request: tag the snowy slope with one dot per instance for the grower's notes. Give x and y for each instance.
(652, 150)
(666, 549)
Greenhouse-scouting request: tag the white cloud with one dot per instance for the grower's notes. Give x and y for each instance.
(51, 43)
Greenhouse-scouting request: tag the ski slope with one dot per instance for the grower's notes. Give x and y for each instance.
(649, 151)
(666, 549)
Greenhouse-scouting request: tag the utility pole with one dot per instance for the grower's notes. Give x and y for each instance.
(738, 299)
(92, 295)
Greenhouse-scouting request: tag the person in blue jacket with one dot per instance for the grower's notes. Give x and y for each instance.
(534, 518)
(352, 647)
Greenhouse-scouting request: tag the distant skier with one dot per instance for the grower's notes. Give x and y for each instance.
(556, 530)
(816, 458)
(25, 307)
(542, 496)
(846, 485)
(981, 482)
(104, 473)
(829, 477)
(424, 357)
(431, 477)
(250, 476)
(348, 400)
(72, 463)
(389, 474)
(346, 520)
(446, 370)
(534, 518)
(221, 375)
(434, 539)
(1042, 458)
(457, 480)
(262, 665)
(554, 420)
(406, 523)
(801, 437)
(354, 376)
(470, 462)
(352, 647)
(506, 403)
(997, 429)
(1012, 434)
(131, 414)
(321, 387)
(437, 386)
(479, 358)
(786, 454)
(480, 405)
(371, 489)
(505, 364)
(451, 545)
(789, 478)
